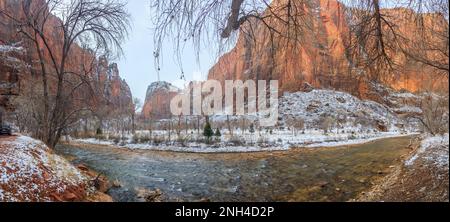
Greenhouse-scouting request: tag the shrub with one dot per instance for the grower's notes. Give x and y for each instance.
(236, 141)
(145, 138)
(157, 140)
(182, 141)
(100, 137)
(262, 141)
(435, 116)
(136, 139)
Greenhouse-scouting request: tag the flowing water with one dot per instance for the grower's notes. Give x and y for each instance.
(325, 174)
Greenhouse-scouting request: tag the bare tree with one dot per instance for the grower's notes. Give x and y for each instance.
(376, 45)
(376, 41)
(326, 124)
(230, 129)
(137, 105)
(435, 114)
(435, 110)
(216, 22)
(99, 25)
(299, 125)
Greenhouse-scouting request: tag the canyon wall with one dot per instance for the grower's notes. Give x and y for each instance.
(323, 57)
(20, 69)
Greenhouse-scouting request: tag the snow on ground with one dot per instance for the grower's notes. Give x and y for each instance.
(342, 110)
(342, 107)
(408, 109)
(226, 148)
(93, 141)
(359, 141)
(433, 150)
(203, 148)
(251, 142)
(349, 121)
(29, 171)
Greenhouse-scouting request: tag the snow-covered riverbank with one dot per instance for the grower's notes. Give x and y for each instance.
(303, 141)
(30, 171)
(422, 176)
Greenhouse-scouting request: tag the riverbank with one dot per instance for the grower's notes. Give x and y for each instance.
(31, 172)
(308, 141)
(421, 177)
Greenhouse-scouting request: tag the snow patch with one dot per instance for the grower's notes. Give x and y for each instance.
(433, 150)
(29, 169)
(11, 48)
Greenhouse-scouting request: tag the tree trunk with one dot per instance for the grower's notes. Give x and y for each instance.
(133, 127)
(198, 125)
(230, 130)
(45, 127)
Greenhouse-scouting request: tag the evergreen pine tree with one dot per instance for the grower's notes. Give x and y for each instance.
(252, 128)
(207, 131)
(99, 131)
(218, 134)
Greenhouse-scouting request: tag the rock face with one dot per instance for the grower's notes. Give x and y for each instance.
(115, 90)
(323, 58)
(9, 68)
(20, 70)
(157, 101)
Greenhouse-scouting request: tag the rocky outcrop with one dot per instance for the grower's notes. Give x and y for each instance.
(116, 93)
(157, 101)
(30, 171)
(11, 64)
(323, 58)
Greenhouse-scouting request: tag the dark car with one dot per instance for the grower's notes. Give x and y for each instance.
(5, 130)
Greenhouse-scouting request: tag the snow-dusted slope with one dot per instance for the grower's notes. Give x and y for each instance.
(433, 150)
(29, 171)
(342, 109)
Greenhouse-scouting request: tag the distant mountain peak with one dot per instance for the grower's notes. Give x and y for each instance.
(157, 101)
(161, 86)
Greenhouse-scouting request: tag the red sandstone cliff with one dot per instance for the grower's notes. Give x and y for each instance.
(157, 101)
(323, 58)
(19, 67)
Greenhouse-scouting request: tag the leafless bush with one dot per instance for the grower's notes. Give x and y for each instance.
(435, 116)
(326, 124)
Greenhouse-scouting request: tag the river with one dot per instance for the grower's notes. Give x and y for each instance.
(322, 174)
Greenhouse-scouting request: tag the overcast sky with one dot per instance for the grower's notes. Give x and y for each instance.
(137, 65)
